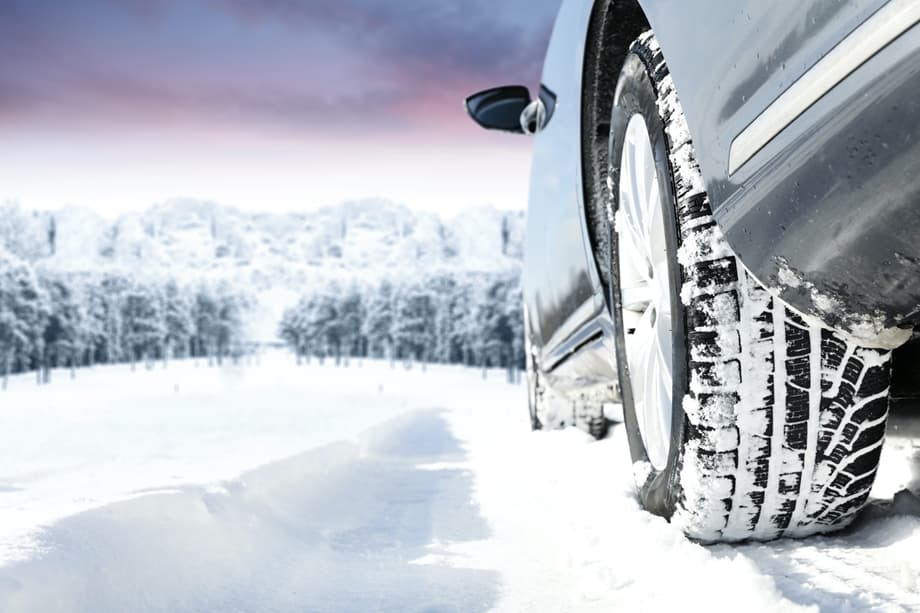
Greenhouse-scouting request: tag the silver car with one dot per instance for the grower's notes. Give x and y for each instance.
(723, 237)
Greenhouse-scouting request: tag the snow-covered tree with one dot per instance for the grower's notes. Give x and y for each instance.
(179, 325)
(23, 314)
(109, 296)
(143, 323)
(204, 317)
(23, 234)
(352, 313)
(414, 328)
(377, 326)
(231, 307)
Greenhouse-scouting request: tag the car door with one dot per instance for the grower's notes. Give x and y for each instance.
(559, 275)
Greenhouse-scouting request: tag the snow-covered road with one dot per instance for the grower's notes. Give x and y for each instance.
(278, 488)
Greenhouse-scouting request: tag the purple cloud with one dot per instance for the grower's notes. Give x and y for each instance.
(364, 64)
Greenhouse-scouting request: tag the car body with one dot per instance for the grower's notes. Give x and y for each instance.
(826, 213)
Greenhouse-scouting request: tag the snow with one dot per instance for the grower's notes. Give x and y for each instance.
(273, 487)
(364, 239)
(111, 434)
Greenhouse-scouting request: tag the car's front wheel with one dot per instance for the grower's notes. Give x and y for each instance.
(744, 420)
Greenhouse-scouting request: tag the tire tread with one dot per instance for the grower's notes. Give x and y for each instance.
(785, 418)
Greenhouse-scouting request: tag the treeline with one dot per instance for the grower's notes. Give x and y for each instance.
(52, 319)
(473, 319)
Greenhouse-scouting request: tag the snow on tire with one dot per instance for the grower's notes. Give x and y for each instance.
(783, 420)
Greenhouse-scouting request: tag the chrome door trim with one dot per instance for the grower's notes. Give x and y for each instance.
(878, 31)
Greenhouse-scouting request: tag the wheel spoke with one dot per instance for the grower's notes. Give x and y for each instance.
(631, 321)
(655, 244)
(652, 189)
(640, 345)
(664, 412)
(636, 298)
(631, 197)
(663, 347)
(636, 179)
(632, 253)
(656, 407)
(654, 412)
(639, 360)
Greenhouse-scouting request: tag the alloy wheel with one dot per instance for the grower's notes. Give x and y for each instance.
(645, 291)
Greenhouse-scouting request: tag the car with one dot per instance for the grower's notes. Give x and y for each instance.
(723, 239)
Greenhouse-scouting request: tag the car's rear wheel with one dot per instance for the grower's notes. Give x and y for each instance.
(744, 419)
(534, 389)
(553, 411)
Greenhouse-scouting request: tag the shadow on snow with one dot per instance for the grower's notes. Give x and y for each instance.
(333, 529)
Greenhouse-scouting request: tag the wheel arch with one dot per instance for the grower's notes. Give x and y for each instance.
(774, 213)
(613, 26)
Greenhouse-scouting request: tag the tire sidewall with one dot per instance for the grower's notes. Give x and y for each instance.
(636, 94)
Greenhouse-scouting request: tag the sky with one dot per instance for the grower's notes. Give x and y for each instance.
(262, 104)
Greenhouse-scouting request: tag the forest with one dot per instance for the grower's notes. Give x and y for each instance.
(462, 318)
(122, 306)
(51, 319)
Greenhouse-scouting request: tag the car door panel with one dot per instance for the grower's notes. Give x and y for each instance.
(559, 278)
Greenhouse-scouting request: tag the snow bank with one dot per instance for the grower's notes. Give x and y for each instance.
(333, 529)
(111, 434)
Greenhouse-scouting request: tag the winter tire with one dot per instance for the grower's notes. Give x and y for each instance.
(744, 419)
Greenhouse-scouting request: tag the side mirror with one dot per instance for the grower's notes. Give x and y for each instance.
(499, 108)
